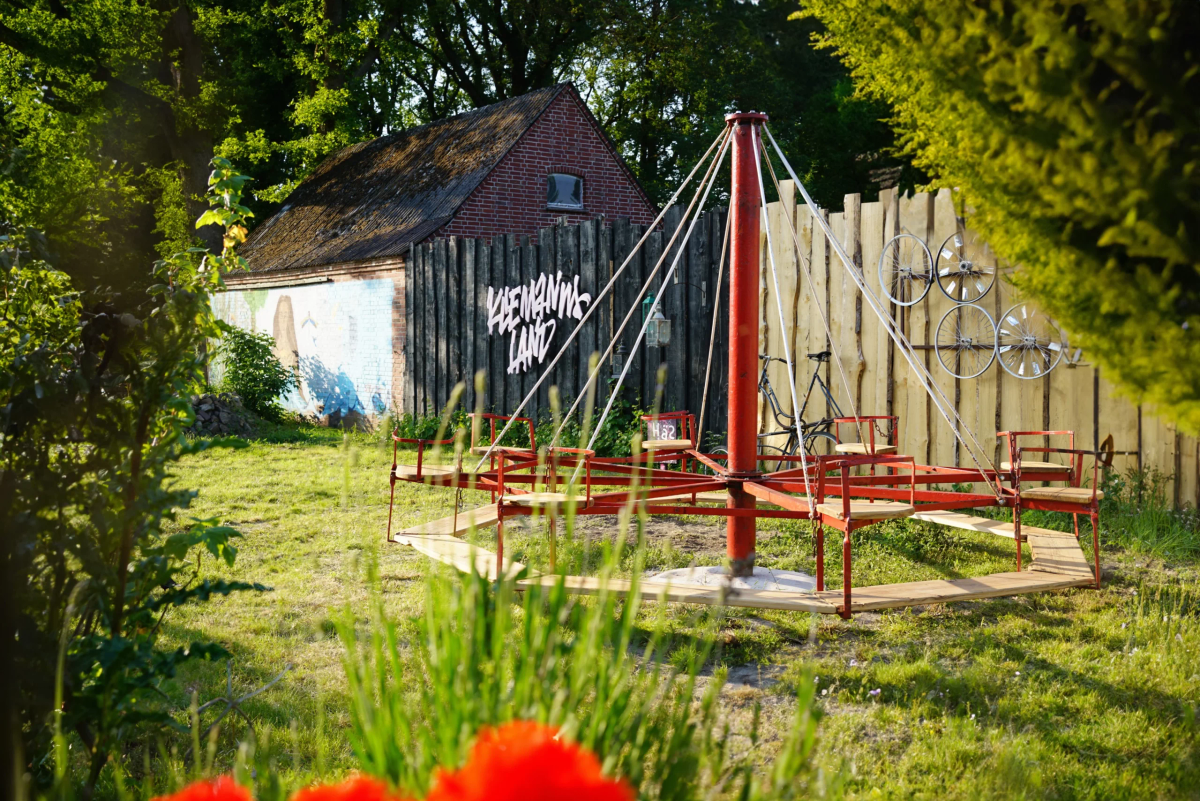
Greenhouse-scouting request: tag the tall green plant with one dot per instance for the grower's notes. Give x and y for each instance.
(480, 655)
(97, 547)
(1073, 132)
(254, 372)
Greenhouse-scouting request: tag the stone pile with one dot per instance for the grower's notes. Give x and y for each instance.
(220, 414)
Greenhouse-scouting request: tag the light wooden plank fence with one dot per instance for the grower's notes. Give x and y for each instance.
(878, 381)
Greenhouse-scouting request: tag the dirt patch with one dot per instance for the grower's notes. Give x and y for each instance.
(702, 538)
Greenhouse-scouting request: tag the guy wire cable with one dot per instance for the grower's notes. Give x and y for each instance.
(592, 376)
(762, 193)
(898, 337)
(658, 299)
(902, 342)
(712, 334)
(807, 272)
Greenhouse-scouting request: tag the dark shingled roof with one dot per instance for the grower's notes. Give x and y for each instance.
(373, 199)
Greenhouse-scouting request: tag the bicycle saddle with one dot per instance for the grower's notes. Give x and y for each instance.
(821, 357)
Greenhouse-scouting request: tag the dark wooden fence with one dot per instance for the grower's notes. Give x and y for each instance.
(446, 315)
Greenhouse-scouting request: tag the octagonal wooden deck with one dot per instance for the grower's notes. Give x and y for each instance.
(1058, 563)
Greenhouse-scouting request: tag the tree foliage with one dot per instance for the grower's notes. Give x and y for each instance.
(667, 71)
(1073, 133)
(113, 108)
(97, 548)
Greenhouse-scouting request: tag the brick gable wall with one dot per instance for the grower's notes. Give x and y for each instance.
(512, 199)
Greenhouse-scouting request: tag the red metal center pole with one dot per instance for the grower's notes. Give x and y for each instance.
(746, 211)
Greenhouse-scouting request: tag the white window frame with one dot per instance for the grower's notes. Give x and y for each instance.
(565, 206)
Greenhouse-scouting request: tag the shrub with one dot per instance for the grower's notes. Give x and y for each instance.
(254, 372)
(95, 550)
(1136, 514)
(615, 437)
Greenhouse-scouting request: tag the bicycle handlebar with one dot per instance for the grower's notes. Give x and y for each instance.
(822, 356)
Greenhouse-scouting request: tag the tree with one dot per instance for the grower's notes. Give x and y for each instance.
(93, 409)
(112, 108)
(667, 71)
(1072, 132)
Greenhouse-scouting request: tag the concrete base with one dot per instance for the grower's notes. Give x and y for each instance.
(717, 576)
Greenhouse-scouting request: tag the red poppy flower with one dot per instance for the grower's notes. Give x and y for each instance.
(522, 761)
(220, 789)
(356, 788)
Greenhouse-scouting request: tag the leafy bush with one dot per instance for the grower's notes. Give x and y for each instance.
(95, 551)
(1137, 514)
(254, 372)
(1071, 130)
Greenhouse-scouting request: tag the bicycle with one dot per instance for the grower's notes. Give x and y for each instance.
(815, 433)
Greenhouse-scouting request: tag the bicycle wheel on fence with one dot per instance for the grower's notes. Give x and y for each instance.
(966, 341)
(769, 465)
(1028, 343)
(705, 469)
(905, 269)
(961, 269)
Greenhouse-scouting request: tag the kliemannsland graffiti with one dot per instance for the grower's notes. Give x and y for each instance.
(527, 313)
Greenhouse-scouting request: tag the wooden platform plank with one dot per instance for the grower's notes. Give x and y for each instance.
(985, 525)
(701, 497)
(690, 593)
(865, 510)
(410, 470)
(483, 517)
(1080, 495)
(1057, 554)
(459, 554)
(921, 593)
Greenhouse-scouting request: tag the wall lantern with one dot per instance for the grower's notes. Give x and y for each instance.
(658, 332)
(618, 361)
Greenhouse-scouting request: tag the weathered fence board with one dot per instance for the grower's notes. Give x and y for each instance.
(453, 333)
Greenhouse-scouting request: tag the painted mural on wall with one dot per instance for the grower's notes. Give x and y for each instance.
(337, 336)
(527, 315)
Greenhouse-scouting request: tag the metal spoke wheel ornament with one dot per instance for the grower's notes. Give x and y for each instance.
(1028, 343)
(905, 269)
(966, 341)
(963, 271)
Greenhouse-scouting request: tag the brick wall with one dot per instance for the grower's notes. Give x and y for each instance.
(512, 200)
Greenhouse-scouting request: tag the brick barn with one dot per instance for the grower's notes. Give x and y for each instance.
(327, 272)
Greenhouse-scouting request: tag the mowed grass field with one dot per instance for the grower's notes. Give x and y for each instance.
(1079, 694)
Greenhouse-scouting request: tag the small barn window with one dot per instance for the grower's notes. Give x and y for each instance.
(564, 191)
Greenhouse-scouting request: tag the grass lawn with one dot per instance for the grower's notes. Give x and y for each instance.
(1078, 694)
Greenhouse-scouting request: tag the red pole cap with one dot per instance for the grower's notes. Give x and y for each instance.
(745, 117)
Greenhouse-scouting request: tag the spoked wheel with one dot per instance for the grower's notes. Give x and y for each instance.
(819, 443)
(966, 341)
(905, 269)
(768, 465)
(1028, 342)
(961, 272)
